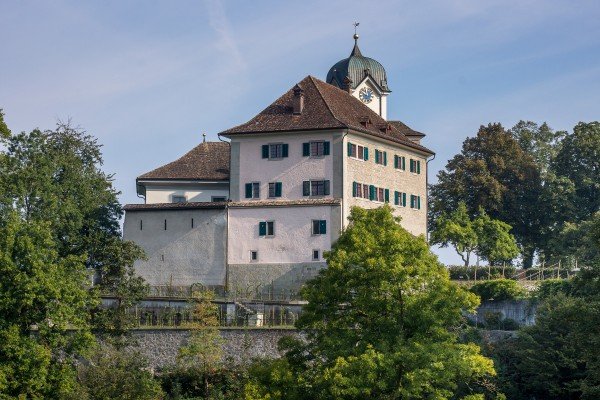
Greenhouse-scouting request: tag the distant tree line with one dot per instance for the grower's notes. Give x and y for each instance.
(543, 184)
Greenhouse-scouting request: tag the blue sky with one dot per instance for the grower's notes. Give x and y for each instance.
(149, 77)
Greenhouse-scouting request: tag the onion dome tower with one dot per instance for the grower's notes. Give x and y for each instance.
(363, 77)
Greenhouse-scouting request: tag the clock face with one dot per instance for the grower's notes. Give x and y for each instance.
(366, 95)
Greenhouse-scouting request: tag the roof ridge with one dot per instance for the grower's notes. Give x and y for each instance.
(325, 101)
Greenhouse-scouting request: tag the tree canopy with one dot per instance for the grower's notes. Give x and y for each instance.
(380, 323)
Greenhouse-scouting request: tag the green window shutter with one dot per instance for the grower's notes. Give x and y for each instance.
(385, 158)
(353, 189)
(366, 154)
(396, 198)
(326, 148)
(284, 150)
(248, 190)
(349, 149)
(403, 199)
(418, 167)
(403, 163)
(371, 192)
(376, 156)
(278, 189)
(265, 151)
(411, 165)
(326, 188)
(419, 202)
(306, 188)
(322, 227)
(262, 228)
(395, 161)
(387, 195)
(305, 149)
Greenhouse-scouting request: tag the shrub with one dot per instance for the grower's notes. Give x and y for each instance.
(552, 287)
(498, 289)
(495, 320)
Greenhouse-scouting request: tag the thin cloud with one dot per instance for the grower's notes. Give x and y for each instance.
(218, 21)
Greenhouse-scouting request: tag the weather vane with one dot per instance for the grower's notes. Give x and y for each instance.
(356, 24)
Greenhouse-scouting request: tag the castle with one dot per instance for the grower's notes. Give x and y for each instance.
(257, 211)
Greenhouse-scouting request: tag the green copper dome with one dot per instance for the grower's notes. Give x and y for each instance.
(356, 67)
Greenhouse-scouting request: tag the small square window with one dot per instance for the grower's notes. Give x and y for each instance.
(253, 255)
(316, 255)
(217, 198)
(319, 226)
(179, 199)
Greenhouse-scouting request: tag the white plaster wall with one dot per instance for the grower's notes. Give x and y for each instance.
(291, 171)
(293, 241)
(368, 172)
(164, 194)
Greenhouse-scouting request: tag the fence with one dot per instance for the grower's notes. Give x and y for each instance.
(474, 273)
(229, 315)
(255, 293)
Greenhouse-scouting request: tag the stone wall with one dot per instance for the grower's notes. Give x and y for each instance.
(520, 311)
(160, 346)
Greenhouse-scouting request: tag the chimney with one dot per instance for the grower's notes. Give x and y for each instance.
(298, 101)
(347, 85)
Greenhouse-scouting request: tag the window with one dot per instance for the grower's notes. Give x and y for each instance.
(179, 199)
(319, 226)
(380, 157)
(400, 199)
(316, 149)
(358, 190)
(266, 228)
(275, 189)
(275, 151)
(141, 225)
(415, 166)
(380, 194)
(253, 255)
(400, 162)
(356, 151)
(165, 224)
(192, 223)
(351, 150)
(365, 191)
(218, 198)
(316, 255)
(253, 190)
(315, 188)
(415, 202)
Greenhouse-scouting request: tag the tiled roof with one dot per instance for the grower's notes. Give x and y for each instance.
(208, 161)
(232, 204)
(325, 107)
(405, 129)
(175, 206)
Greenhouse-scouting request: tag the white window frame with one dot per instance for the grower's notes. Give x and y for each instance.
(318, 252)
(252, 254)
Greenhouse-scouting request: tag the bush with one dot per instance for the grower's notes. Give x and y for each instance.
(495, 320)
(462, 273)
(225, 382)
(498, 289)
(114, 374)
(552, 287)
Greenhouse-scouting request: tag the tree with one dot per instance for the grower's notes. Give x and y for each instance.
(489, 238)
(494, 173)
(539, 141)
(44, 312)
(4, 131)
(54, 177)
(380, 323)
(579, 161)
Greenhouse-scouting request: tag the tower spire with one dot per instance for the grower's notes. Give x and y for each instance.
(356, 50)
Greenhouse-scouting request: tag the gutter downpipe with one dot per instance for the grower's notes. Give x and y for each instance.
(343, 181)
(227, 218)
(427, 200)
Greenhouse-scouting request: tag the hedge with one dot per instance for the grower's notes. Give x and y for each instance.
(498, 289)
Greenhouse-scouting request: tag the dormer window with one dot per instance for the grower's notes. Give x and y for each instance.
(178, 199)
(365, 121)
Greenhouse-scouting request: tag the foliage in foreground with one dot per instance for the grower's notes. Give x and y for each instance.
(381, 322)
(498, 290)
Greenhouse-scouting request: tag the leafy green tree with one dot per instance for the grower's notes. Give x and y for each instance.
(54, 177)
(117, 374)
(4, 131)
(44, 312)
(494, 173)
(579, 161)
(489, 238)
(381, 322)
(498, 289)
(540, 141)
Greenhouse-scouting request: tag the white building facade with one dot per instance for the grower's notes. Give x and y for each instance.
(257, 213)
